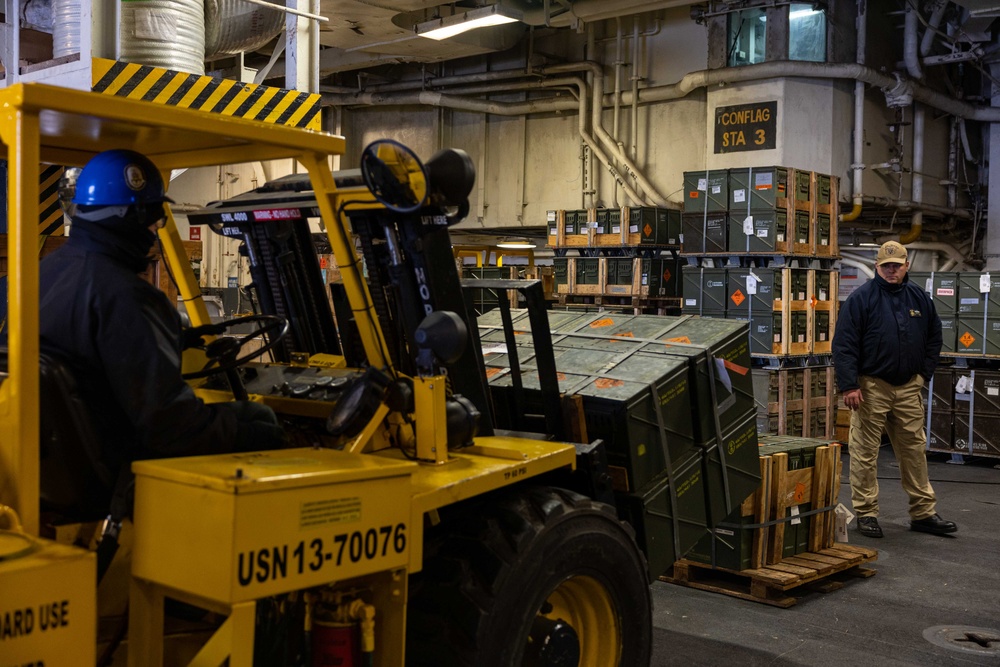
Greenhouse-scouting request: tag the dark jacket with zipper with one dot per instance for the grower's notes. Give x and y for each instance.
(890, 332)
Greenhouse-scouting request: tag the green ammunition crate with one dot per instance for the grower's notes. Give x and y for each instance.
(756, 189)
(655, 226)
(733, 543)
(651, 512)
(984, 392)
(769, 228)
(620, 270)
(706, 191)
(949, 340)
(971, 298)
(822, 290)
(588, 270)
(559, 270)
(704, 289)
(802, 225)
(552, 222)
(823, 185)
(609, 220)
(741, 472)
(821, 327)
(803, 185)
(705, 233)
(662, 275)
(970, 338)
(799, 330)
(751, 290)
(799, 284)
(943, 286)
(822, 230)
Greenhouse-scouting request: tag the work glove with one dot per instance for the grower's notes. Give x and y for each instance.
(257, 426)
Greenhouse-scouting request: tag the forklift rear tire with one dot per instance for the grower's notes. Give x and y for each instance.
(497, 579)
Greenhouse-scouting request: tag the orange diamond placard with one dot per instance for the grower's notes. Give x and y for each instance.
(647, 230)
(666, 275)
(967, 339)
(738, 297)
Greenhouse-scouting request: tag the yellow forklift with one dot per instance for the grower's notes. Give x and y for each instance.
(399, 526)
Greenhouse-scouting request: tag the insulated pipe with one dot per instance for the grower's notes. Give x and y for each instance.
(619, 63)
(917, 180)
(635, 90)
(654, 197)
(592, 11)
(857, 164)
(937, 15)
(953, 163)
(860, 266)
(911, 55)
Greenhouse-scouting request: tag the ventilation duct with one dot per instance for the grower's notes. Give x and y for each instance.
(65, 27)
(164, 33)
(235, 26)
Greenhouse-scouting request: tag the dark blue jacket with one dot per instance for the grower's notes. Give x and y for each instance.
(890, 332)
(120, 337)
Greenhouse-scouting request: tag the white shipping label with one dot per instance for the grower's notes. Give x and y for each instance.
(928, 287)
(762, 233)
(763, 179)
(751, 284)
(822, 295)
(779, 237)
(645, 279)
(824, 242)
(155, 24)
(801, 338)
(748, 225)
(993, 391)
(703, 184)
(680, 238)
(777, 338)
(984, 283)
(739, 196)
(962, 386)
(633, 229)
(690, 302)
(550, 216)
(796, 519)
(716, 189)
(616, 229)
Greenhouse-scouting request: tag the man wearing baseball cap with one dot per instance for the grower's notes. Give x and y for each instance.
(885, 348)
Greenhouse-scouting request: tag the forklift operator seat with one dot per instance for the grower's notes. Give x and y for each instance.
(75, 486)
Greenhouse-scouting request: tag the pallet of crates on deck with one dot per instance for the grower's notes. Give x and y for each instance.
(783, 536)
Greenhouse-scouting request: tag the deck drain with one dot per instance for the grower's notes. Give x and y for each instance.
(964, 638)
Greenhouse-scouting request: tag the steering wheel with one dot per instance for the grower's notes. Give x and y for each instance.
(224, 352)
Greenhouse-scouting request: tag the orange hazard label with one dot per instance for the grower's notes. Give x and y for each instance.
(679, 339)
(799, 495)
(519, 333)
(666, 275)
(491, 371)
(623, 334)
(607, 383)
(606, 322)
(814, 301)
(738, 297)
(967, 339)
(647, 230)
(693, 195)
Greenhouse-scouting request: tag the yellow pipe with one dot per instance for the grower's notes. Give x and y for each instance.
(854, 214)
(913, 234)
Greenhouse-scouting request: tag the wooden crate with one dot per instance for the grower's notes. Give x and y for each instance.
(787, 402)
(555, 222)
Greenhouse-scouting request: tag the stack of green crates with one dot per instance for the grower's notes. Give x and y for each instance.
(641, 379)
(733, 540)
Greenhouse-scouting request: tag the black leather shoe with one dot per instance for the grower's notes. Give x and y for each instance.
(933, 524)
(868, 526)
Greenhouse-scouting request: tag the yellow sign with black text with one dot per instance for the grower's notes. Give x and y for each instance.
(746, 127)
(48, 606)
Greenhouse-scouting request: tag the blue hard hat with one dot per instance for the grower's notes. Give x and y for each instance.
(119, 178)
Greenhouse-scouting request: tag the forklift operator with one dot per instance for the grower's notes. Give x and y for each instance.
(121, 337)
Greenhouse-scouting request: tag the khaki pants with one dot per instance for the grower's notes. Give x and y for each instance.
(900, 411)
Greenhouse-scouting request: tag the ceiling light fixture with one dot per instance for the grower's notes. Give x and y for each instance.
(449, 26)
(516, 244)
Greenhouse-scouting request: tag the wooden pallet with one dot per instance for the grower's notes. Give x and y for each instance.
(823, 570)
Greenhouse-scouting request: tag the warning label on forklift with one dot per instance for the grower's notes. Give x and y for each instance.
(316, 513)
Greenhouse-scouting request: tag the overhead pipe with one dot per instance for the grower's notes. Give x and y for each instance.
(907, 206)
(619, 63)
(917, 179)
(933, 23)
(635, 89)
(717, 77)
(911, 57)
(857, 163)
(654, 198)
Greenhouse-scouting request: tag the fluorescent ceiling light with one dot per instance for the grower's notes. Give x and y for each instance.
(449, 26)
(801, 13)
(516, 244)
